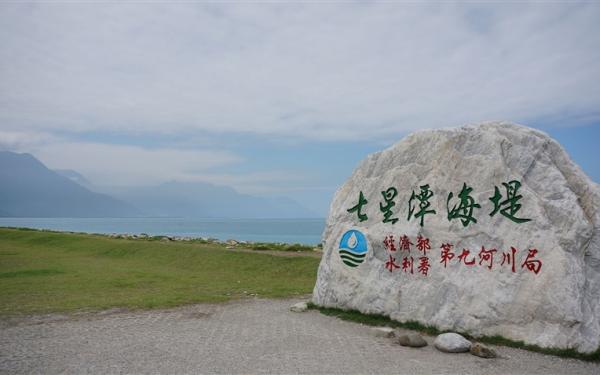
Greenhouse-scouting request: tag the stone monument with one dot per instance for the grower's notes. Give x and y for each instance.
(488, 229)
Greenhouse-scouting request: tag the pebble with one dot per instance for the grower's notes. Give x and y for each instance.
(386, 332)
(299, 307)
(412, 340)
(482, 351)
(452, 343)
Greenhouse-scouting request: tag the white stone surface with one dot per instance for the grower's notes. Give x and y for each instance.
(452, 343)
(558, 307)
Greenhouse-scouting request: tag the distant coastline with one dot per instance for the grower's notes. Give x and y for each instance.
(244, 231)
(229, 243)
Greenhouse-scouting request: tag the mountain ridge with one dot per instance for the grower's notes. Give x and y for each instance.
(203, 199)
(29, 189)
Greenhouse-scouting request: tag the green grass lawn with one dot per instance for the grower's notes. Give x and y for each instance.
(49, 272)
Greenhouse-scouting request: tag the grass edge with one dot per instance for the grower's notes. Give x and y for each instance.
(383, 320)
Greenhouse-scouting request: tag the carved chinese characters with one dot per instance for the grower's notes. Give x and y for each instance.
(488, 229)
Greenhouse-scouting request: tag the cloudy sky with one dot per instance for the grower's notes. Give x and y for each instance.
(284, 99)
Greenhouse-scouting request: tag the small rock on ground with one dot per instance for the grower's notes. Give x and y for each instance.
(482, 351)
(386, 332)
(452, 343)
(412, 340)
(299, 307)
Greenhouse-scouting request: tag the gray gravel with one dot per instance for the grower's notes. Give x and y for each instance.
(249, 336)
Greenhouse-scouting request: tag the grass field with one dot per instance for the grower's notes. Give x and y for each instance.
(44, 272)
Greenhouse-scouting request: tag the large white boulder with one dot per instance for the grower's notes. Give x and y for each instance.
(540, 285)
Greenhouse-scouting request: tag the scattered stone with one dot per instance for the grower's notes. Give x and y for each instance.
(452, 343)
(412, 340)
(482, 351)
(386, 332)
(554, 229)
(232, 242)
(299, 307)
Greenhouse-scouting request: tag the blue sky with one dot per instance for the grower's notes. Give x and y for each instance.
(284, 100)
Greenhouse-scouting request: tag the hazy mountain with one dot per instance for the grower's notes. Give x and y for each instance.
(74, 176)
(29, 189)
(199, 199)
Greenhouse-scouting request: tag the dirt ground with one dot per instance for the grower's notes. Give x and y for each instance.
(251, 336)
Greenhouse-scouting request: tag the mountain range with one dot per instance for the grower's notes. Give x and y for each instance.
(201, 199)
(29, 189)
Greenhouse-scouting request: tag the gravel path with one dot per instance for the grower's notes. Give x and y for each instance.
(249, 336)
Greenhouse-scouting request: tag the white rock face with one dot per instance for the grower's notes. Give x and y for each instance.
(549, 297)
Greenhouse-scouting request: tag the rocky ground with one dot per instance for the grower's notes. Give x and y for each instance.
(248, 336)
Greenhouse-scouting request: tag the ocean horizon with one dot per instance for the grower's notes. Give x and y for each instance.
(302, 231)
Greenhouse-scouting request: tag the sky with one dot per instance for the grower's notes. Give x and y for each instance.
(284, 99)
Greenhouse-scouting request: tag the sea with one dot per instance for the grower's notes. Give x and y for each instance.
(302, 231)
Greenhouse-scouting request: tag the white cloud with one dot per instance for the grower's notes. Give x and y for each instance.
(257, 182)
(337, 71)
(23, 140)
(110, 165)
(121, 165)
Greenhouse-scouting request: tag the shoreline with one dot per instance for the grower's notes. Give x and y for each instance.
(229, 243)
(289, 231)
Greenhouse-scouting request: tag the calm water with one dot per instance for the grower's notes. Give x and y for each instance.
(304, 231)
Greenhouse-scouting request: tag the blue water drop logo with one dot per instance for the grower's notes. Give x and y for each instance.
(353, 248)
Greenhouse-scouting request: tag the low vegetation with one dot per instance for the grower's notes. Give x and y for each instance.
(229, 244)
(278, 246)
(43, 271)
(382, 320)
